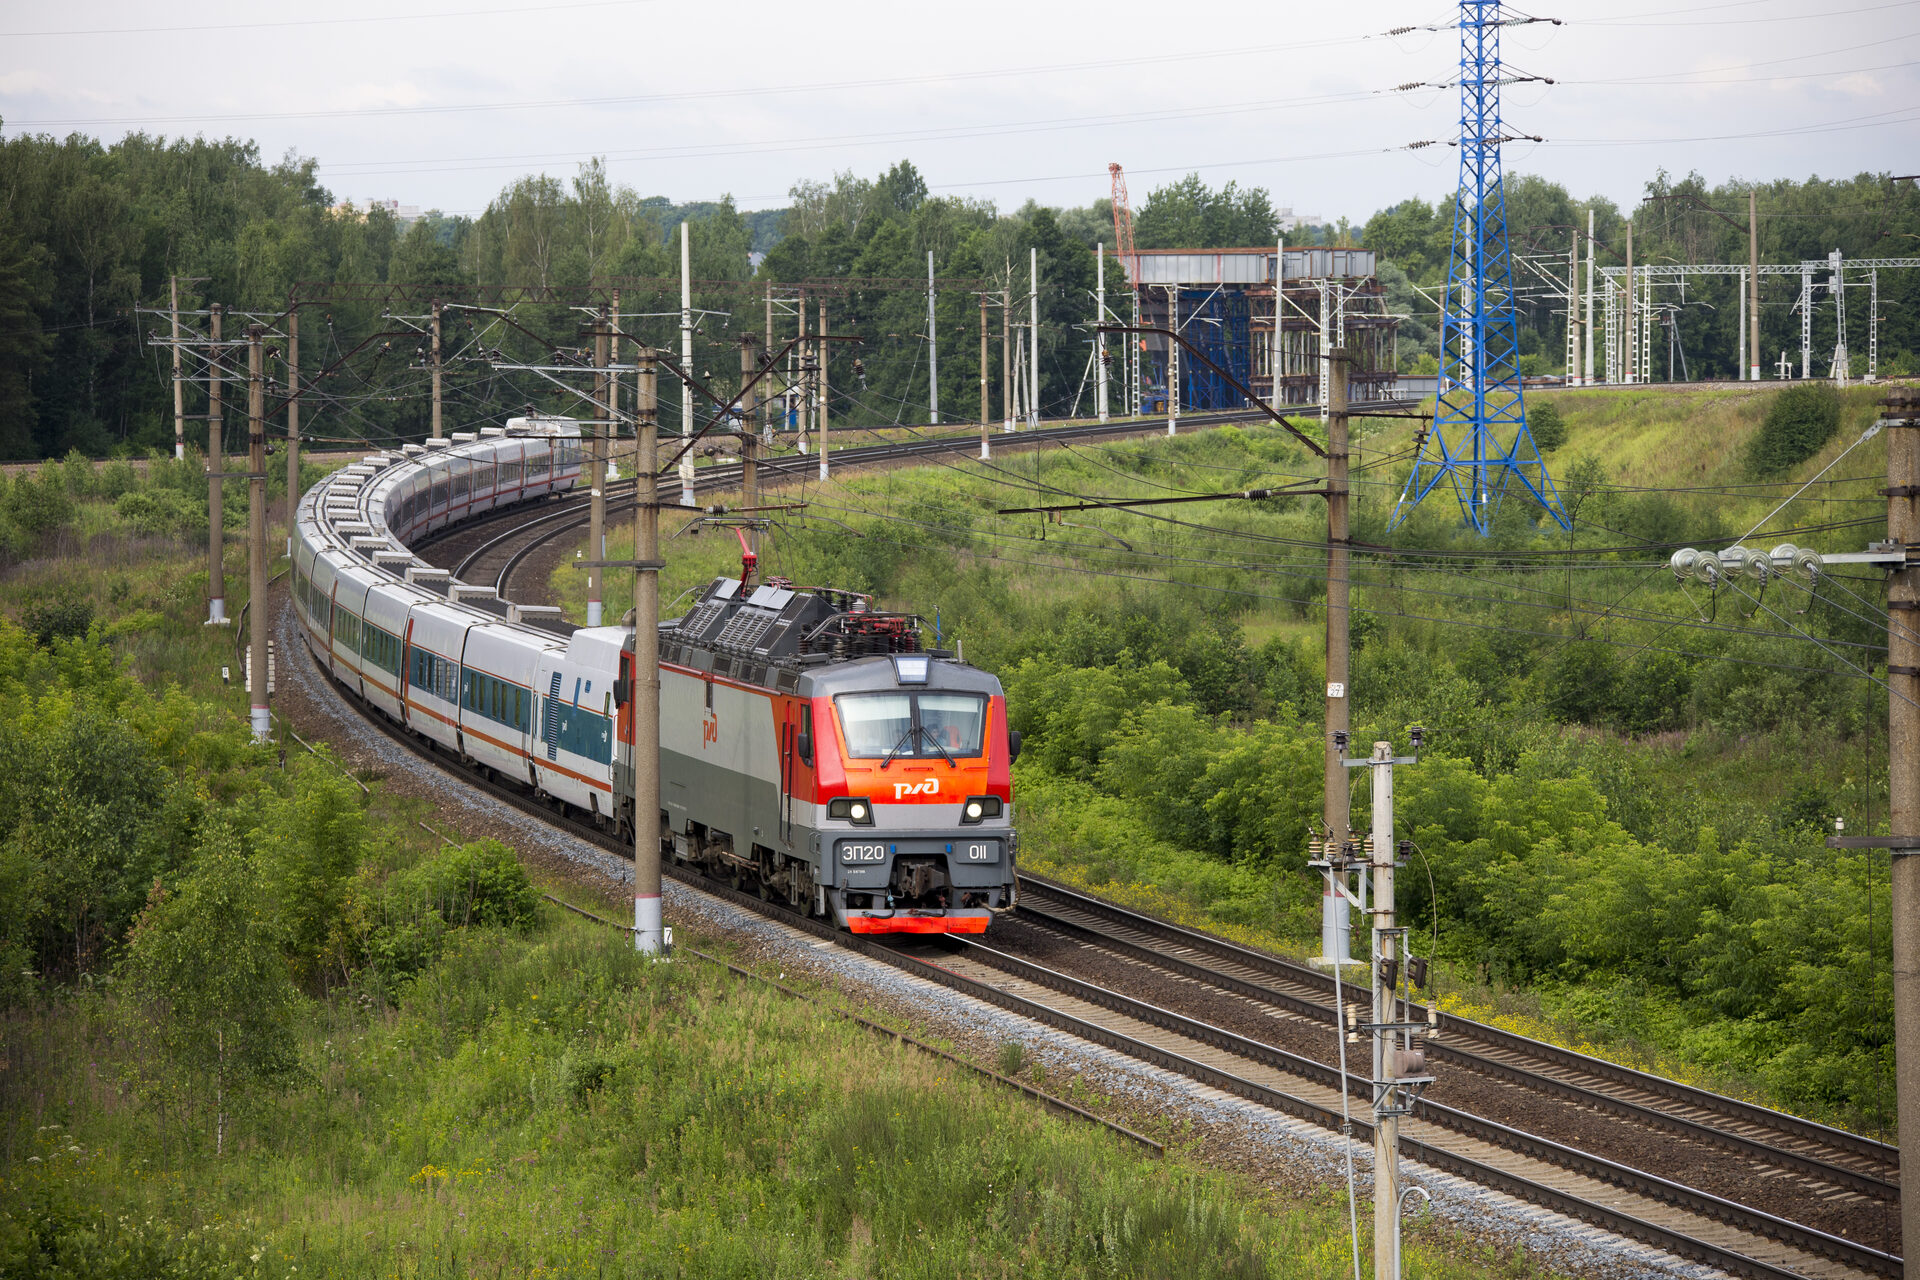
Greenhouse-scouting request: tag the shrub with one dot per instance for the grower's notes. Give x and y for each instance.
(61, 618)
(1548, 427)
(38, 506)
(160, 512)
(1799, 422)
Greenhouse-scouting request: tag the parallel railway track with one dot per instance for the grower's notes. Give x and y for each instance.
(1663, 1212)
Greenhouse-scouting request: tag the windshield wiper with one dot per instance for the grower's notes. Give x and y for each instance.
(935, 744)
(905, 737)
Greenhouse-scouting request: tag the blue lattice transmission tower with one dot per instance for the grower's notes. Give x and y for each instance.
(1479, 443)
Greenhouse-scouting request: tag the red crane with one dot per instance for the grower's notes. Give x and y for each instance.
(1123, 223)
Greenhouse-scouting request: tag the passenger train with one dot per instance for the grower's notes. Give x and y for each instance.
(810, 745)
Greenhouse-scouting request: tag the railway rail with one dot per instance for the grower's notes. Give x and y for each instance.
(1663, 1212)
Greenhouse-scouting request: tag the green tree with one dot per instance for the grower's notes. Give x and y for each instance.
(1798, 424)
(1189, 214)
(205, 959)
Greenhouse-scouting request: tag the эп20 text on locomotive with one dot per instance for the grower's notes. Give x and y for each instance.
(809, 745)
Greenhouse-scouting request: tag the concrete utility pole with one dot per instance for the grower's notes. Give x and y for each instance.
(1589, 379)
(647, 933)
(1099, 329)
(986, 408)
(438, 430)
(821, 340)
(257, 654)
(1033, 344)
(1006, 356)
(179, 389)
(216, 463)
(597, 473)
(613, 381)
(1334, 926)
(686, 364)
(1753, 285)
(1386, 1122)
(800, 379)
(933, 351)
(749, 443)
(293, 423)
(1902, 417)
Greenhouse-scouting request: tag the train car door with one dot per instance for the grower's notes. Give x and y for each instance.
(406, 674)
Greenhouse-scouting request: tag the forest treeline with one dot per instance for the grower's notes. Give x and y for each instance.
(89, 232)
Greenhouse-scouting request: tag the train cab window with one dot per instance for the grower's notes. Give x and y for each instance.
(912, 725)
(956, 721)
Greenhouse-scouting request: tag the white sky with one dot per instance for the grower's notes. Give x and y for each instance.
(440, 103)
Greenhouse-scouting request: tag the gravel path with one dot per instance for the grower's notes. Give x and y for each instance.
(1205, 1123)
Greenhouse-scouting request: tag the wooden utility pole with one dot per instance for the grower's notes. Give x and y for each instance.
(820, 342)
(986, 408)
(293, 423)
(216, 463)
(1902, 418)
(179, 388)
(597, 473)
(749, 442)
(436, 369)
(1338, 713)
(1753, 287)
(647, 934)
(257, 664)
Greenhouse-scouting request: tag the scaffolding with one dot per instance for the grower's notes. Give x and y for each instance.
(1268, 338)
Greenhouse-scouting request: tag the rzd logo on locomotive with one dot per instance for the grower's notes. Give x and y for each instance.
(710, 730)
(931, 787)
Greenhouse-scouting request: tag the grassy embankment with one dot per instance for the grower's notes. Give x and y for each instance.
(256, 1024)
(1628, 782)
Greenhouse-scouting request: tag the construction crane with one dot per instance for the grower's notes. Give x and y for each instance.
(1123, 247)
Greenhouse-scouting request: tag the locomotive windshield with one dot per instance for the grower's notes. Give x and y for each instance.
(912, 725)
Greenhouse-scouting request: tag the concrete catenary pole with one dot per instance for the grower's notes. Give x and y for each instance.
(749, 443)
(257, 534)
(1903, 771)
(293, 423)
(1099, 332)
(800, 378)
(986, 406)
(821, 339)
(1338, 719)
(216, 463)
(1590, 379)
(933, 351)
(613, 383)
(686, 365)
(179, 388)
(438, 427)
(1006, 356)
(597, 434)
(647, 936)
(1033, 343)
(1753, 286)
(1386, 1127)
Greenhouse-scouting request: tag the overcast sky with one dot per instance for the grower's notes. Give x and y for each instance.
(442, 105)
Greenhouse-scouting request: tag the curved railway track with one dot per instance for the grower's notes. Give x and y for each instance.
(1725, 1231)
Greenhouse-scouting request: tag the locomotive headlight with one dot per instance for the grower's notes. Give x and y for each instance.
(979, 807)
(855, 809)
